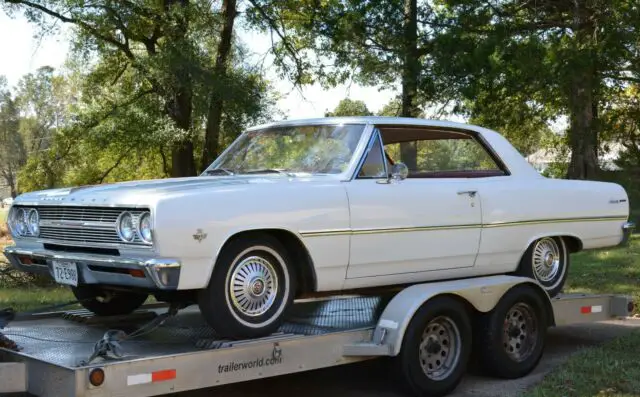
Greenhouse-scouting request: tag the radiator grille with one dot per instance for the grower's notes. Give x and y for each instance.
(85, 225)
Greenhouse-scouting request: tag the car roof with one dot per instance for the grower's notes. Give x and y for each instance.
(380, 120)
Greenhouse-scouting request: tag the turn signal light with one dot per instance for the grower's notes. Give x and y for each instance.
(137, 273)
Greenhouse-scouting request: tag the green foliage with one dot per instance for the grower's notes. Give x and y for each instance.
(135, 99)
(350, 107)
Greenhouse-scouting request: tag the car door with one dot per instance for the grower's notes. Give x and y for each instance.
(410, 226)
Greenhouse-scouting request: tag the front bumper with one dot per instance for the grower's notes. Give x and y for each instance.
(156, 273)
(627, 230)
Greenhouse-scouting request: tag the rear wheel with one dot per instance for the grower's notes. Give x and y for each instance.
(104, 302)
(435, 349)
(547, 261)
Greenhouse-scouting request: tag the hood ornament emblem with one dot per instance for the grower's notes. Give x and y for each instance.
(199, 236)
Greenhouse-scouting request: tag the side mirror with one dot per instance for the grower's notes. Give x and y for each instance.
(399, 171)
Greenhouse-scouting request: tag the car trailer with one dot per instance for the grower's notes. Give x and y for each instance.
(428, 330)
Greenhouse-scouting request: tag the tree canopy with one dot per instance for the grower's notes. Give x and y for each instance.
(159, 88)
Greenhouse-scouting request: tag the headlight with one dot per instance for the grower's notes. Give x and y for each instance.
(18, 222)
(33, 223)
(126, 228)
(144, 227)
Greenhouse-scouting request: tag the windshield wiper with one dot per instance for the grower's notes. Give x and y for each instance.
(216, 171)
(268, 171)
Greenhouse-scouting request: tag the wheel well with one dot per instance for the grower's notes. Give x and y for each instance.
(574, 244)
(305, 273)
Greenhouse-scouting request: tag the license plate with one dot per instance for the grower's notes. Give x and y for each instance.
(65, 273)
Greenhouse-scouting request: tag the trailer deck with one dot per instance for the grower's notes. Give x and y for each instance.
(183, 354)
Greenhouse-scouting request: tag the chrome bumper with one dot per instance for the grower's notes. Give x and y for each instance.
(161, 273)
(627, 230)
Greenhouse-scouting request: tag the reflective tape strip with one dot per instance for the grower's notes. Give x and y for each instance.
(591, 309)
(139, 379)
(157, 376)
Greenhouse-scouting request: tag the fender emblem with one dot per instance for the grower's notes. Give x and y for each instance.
(199, 236)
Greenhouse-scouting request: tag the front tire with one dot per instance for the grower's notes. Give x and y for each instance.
(546, 261)
(104, 302)
(250, 290)
(435, 349)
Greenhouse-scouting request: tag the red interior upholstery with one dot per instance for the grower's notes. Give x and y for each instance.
(456, 174)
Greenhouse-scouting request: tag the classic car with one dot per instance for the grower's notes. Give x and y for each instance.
(321, 206)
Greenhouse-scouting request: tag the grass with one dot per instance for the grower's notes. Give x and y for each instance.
(24, 299)
(612, 369)
(615, 270)
(609, 370)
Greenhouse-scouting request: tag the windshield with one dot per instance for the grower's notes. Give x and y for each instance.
(315, 149)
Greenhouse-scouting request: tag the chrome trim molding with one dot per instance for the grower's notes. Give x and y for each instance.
(164, 272)
(340, 232)
(557, 220)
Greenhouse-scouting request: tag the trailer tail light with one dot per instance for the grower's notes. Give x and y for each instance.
(591, 309)
(157, 376)
(96, 377)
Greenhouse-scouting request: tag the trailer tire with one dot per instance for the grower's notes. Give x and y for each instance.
(260, 267)
(440, 329)
(516, 326)
(103, 302)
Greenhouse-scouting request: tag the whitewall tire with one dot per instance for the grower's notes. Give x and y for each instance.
(250, 290)
(547, 261)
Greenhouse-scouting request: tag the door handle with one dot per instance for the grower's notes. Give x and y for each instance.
(471, 193)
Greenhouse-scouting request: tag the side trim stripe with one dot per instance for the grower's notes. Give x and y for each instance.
(341, 232)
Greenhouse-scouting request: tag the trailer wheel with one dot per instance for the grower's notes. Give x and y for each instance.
(435, 349)
(104, 302)
(250, 290)
(511, 337)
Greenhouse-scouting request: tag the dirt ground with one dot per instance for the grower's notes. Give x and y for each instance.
(371, 378)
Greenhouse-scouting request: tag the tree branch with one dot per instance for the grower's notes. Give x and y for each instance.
(273, 24)
(91, 29)
(113, 167)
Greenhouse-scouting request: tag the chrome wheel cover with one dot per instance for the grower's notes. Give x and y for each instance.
(520, 332)
(253, 286)
(440, 348)
(546, 260)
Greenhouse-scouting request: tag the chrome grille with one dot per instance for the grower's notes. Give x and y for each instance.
(87, 214)
(84, 235)
(84, 225)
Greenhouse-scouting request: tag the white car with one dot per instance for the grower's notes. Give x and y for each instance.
(308, 207)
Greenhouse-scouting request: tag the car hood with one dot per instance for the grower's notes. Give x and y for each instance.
(147, 192)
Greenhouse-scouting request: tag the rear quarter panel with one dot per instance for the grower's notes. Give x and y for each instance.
(517, 211)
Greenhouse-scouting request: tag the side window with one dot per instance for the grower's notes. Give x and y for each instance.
(374, 165)
(449, 157)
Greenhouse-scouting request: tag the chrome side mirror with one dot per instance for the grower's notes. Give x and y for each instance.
(399, 171)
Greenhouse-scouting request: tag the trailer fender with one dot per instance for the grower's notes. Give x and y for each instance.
(482, 293)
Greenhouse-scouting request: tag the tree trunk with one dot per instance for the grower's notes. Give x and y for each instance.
(179, 105)
(583, 135)
(410, 73)
(214, 117)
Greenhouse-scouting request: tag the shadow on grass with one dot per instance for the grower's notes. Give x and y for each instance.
(615, 270)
